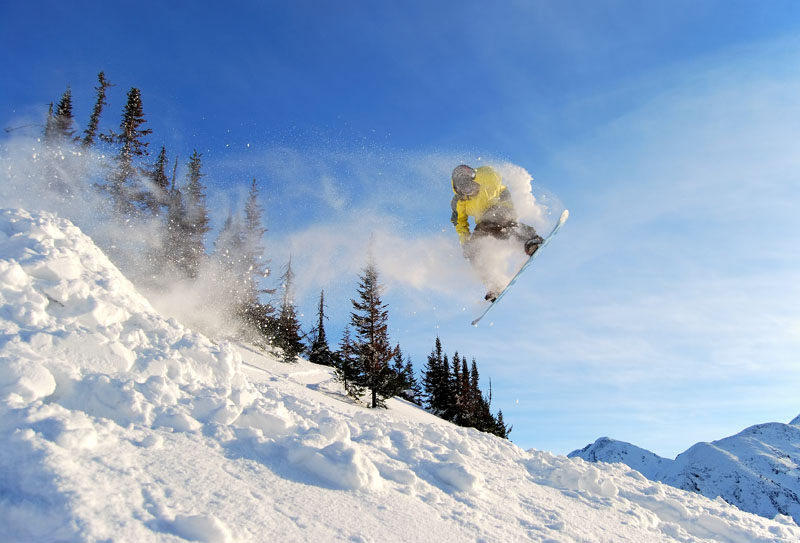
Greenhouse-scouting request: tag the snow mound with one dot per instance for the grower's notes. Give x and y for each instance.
(117, 424)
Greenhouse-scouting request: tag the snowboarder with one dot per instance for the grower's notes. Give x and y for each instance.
(480, 194)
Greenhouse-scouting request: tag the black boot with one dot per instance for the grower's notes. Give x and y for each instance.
(532, 245)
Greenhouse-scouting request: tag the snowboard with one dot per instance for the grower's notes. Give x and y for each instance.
(561, 220)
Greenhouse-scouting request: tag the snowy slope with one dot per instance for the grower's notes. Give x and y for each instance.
(117, 424)
(758, 469)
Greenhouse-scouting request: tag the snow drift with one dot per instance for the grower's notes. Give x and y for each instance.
(117, 424)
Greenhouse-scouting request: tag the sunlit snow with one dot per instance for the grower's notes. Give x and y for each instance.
(118, 424)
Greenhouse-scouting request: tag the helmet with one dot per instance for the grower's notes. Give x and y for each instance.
(464, 181)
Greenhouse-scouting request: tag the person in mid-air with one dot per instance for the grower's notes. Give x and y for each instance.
(480, 194)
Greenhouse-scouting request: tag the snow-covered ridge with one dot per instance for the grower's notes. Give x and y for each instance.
(117, 424)
(758, 469)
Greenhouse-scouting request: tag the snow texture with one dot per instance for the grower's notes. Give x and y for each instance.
(758, 469)
(117, 424)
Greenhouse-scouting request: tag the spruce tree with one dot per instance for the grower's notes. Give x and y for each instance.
(500, 427)
(288, 336)
(464, 397)
(453, 410)
(195, 221)
(369, 320)
(407, 386)
(228, 255)
(90, 133)
(348, 370)
(174, 229)
(435, 378)
(124, 184)
(253, 247)
(414, 389)
(49, 126)
(475, 395)
(63, 119)
(320, 352)
(58, 133)
(155, 199)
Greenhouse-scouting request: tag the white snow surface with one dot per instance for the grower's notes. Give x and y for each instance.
(117, 424)
(758, 469)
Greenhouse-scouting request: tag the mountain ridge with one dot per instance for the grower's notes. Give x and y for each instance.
(757, 469)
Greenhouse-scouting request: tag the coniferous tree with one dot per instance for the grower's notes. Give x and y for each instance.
(49, 126)
(63, 119)
(348, 370)
(455, 412)
(452, 392)
(407, 386)
(475, 394)
(123, 187)
(239, 251)
(369, 320)
(435, 378)
(155, 199)
(320, 352)
(90, 133)
(288, 336)
(414, 390)
(195, 221)
(174, 227)
(500, 427)
(464, 406)
(253, 246)
(228, 255)
(58, 133)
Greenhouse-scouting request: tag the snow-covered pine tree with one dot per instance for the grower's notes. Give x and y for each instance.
(369, 320)
(90, 133)
(320, 351)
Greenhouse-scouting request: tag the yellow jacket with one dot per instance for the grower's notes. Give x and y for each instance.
(491, 196)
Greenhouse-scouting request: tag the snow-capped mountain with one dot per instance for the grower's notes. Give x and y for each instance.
(118, 424)
(758, 469)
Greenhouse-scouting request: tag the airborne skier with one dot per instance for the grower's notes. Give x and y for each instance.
(480, 194)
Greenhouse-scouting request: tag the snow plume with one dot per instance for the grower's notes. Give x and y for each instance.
(519, 182)
(394, 205)
(65, 180)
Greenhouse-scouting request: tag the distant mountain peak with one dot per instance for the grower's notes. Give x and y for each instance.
(757, 470)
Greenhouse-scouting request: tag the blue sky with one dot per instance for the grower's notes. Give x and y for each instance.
(665, 313)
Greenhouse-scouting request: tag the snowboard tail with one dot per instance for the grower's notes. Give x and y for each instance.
(561, 220)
